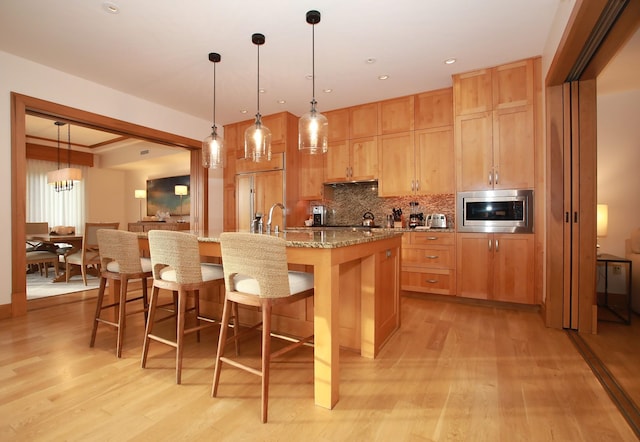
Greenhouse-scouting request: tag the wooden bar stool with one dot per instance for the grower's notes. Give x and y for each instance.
(175, 259)
(120, 260)
(256, 274)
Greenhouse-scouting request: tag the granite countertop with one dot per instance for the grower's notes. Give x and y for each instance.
(319, 238)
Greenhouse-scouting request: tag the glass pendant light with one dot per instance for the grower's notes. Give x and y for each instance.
(257, 138)
(313, 127)
(213, 154)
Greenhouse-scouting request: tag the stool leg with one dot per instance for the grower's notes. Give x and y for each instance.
(122, 314)
(266, 358)
(103, 284)
(153, 304)
(182, 306)
(145, 300)
(226, 313)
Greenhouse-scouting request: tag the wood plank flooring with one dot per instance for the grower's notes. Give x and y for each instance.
(454, 372)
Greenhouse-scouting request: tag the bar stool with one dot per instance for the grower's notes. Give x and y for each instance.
(176, 266)
(120, 261)
(256, 274)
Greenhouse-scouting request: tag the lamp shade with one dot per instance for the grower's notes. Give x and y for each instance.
(181, 190)
(602, 219)
(140, 193)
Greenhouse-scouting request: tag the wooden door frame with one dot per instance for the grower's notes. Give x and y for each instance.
(583, 23)
(23, 104)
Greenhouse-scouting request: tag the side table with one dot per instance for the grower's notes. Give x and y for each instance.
(617, 304)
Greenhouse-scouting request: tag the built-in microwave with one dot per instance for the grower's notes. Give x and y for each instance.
(499, 211)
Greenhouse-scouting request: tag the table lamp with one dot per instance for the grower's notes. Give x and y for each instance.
(602, 224)
(140, 194)
(181, 191)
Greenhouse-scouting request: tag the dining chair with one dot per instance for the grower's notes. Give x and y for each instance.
(89, 252)
(43, 259)
(176, 266)
(120, 260)
(256, 275)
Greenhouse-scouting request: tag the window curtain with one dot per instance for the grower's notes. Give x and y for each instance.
(57, 208)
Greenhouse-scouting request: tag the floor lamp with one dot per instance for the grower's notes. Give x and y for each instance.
(181, 191)
(602, 224)
(141, 195)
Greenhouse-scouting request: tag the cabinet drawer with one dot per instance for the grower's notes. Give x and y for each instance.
(429, 257)
(431, 238)
(440, 282)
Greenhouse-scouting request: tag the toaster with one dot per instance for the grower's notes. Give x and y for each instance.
(437, 221)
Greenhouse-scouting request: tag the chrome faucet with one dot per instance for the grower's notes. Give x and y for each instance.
(271, 215)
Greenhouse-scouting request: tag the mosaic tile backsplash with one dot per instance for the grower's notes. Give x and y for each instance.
(346, 203)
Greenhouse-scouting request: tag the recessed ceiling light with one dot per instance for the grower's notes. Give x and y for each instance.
(450, 61)
(282, 101)
(243, 111)
(370, 60)
(383, 77)
(111, 7)
(309, 77)
(327, 91)
(263, 91)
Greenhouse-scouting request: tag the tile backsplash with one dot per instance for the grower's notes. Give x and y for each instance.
(346, 203)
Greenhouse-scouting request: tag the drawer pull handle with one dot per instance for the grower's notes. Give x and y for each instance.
(432, 256)
(432, 281)
(432, 238)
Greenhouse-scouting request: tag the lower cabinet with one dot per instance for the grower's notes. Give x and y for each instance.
(496, 266)
(429, 262)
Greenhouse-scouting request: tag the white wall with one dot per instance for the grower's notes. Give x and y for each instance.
(32, 79)
(619, 166)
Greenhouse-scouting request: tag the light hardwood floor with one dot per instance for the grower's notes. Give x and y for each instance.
(454, 371)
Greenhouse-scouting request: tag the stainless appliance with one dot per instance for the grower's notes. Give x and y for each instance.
(367, 219)
(318, 213)
(500, 211)
(437, 221)
(415, 217)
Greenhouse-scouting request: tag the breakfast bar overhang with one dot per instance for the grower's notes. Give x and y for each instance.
(377, 253)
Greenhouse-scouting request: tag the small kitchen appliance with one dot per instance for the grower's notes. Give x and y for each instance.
(318, 215)
(415, 217)
(437, 221)
(368, 219)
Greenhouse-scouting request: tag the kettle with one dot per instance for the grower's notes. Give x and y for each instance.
(437, 221)
(367, 219)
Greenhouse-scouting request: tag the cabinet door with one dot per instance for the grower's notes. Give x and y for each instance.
(244, 201)
(338, 124)
(472, 92)
(337, 162)
(229, 208)
(277, 124)
(396, 165)
(513, 84)
(513, 148)
(364, 158)
(434, 109)
(311, 176)
(434, 160)
(474, 151)
(268, 190)
(240, 130)
(396, 115)
(513, 271)
(363, 120)
(475, 269)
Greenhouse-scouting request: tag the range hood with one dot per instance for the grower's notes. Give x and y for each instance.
(350, 183)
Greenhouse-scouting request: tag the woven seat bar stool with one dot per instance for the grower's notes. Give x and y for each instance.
(256, 274)
(176, 266)
(120, 260)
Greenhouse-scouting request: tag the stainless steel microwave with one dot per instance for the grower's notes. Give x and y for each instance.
(495, 211)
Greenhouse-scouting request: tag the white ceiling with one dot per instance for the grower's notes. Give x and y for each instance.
(158, 49)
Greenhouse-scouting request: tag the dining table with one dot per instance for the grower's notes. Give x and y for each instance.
(377, 254)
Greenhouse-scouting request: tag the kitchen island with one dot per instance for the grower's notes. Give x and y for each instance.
(344, 263)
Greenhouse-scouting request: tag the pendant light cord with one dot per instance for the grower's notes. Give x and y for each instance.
(258, 89)
(214, 97)
(313, 62)
(68, 145)
(58, 146)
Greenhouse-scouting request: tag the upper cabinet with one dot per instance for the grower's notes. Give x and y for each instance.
(352, 160)
(363, 120)
(434, 109)
(338, 121)
(396, 115)
(494, 127)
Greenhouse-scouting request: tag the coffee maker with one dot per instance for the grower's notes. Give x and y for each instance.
(318, 215)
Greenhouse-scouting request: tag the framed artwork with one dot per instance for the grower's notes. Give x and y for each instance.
(161, 195)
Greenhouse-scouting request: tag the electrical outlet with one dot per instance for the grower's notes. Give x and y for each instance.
(617, 269)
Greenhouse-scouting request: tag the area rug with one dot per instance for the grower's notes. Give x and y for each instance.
(41, 287)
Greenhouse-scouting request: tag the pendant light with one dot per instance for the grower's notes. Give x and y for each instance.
(257, 138)
(62, 179)
(213, 154)
(313, 127)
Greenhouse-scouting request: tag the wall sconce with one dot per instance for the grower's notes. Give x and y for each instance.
(602, 223)
(181, 191)
(140, 194)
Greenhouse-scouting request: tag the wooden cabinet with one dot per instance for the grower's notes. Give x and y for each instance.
(338, 124)
(311, 176)
(417, 163)
(495, 266)
(429, 262)
(256, 193)
(363, 120)
(352, 160)
(434, 109)
(494, 127)
(145, 226)
(396, 115)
